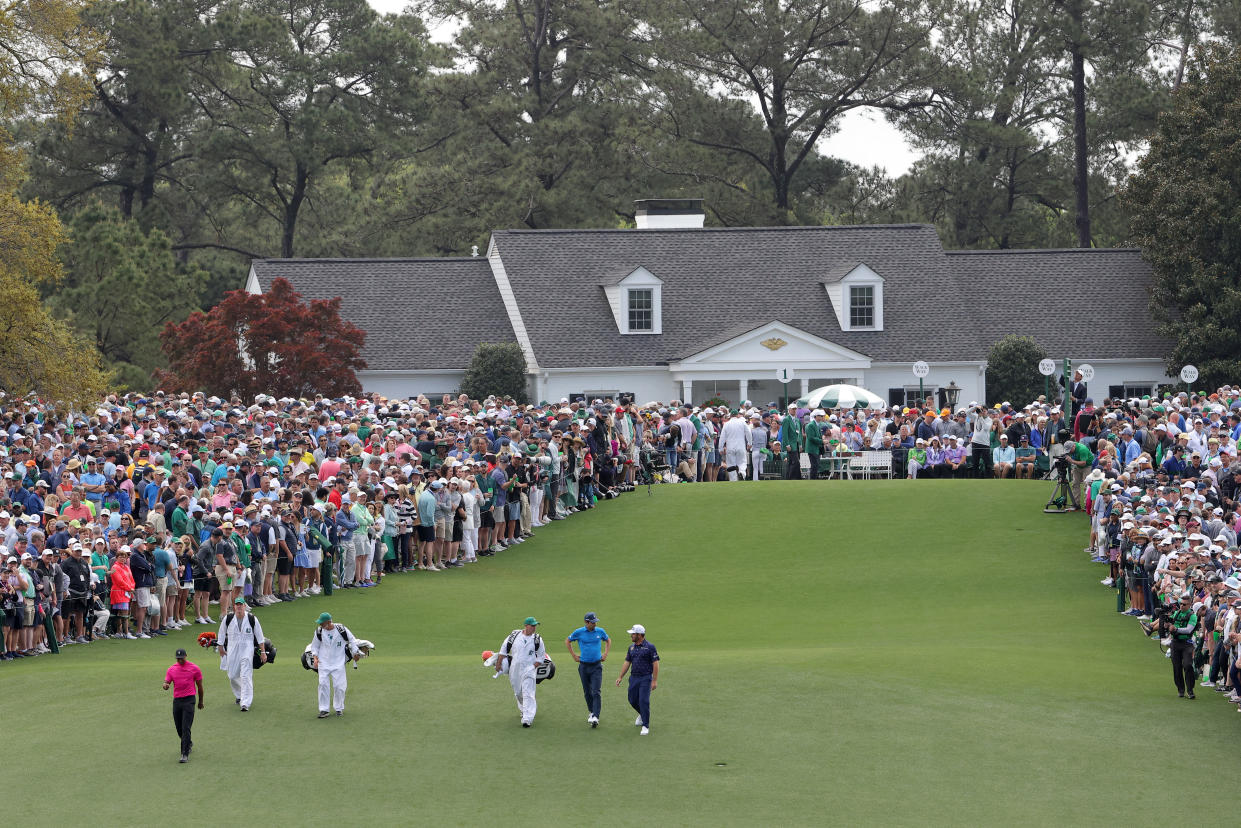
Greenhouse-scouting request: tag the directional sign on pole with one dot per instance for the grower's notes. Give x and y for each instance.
(1087, 371)
(1047, 367)
(921, 369)
(785, 375)
(1189, 374)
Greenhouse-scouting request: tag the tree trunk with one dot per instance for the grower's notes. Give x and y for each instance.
(291, 208)
(1081, 172)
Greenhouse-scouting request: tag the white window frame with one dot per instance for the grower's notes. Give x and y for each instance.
(629, 308)
(874, 311)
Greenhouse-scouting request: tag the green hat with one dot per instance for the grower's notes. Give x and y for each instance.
(532, 450)
(324, 617)
(530, 622)
(239, 600)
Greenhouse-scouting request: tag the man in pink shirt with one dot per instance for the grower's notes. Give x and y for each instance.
(184, 676)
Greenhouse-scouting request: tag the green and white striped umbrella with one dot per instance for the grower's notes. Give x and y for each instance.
(842, 396)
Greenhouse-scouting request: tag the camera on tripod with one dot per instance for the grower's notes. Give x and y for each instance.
(1063, 498)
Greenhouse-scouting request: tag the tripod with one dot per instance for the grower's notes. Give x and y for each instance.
(1062, 496)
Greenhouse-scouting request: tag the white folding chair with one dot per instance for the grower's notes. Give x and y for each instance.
(878, 461)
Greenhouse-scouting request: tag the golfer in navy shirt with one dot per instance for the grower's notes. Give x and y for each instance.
(642, 664)
(595, 645)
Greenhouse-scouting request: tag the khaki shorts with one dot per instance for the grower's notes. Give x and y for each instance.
(224, 576)
(269, 565)
(443, 529)
(142, 596)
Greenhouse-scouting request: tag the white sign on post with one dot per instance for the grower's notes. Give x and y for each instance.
(1087, 371)
(921, 369)
(1189, 374)
(1047, 367)
(785, 375)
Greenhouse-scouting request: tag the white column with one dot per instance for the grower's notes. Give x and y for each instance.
(805, 386)
(743, 388)
(687, 392)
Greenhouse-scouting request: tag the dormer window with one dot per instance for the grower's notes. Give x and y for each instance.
(861, 306)
(856, 294)
(636, 298)
(641, 310)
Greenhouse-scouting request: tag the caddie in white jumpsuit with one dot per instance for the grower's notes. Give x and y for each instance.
(237, 651)
(735, 446)
(333, 646)
(524, 651)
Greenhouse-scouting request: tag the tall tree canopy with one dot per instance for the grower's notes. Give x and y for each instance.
(40, 73)
(803, 63)
(1186, 205)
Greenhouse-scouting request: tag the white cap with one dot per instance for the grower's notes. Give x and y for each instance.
(638, 629)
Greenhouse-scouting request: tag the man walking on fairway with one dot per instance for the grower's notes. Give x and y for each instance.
(525, 651)
(184, 676)
(590, 662)
(332, 647)
(240, 632)
(643, 658)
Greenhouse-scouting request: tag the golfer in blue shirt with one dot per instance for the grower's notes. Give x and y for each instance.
(643, 658)
(595, 645)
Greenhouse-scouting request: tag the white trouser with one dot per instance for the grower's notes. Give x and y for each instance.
(243, 683)
(735, 457)
(101, 622)
(913, 468)
(536, 502)
(336, 692)
(756, 464)
(369, 561)
(527, 514)
(468, 542)
(349, 563)
(522, 680)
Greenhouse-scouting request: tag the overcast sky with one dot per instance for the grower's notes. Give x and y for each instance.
(864, 139)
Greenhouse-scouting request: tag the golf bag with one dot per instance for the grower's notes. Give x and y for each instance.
(268, 648)
(308, 660)
(544, 671)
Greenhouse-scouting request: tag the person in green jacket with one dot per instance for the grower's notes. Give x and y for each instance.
(792, 439)
(814, 439)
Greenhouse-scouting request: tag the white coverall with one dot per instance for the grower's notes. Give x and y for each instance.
(237, 658)
(329, 646)
(735, 446)
(525, 656)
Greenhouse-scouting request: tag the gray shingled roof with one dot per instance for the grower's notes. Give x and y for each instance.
(721, 279)
(1077, 303)
(418, 314)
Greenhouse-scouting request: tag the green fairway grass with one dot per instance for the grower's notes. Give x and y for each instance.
(833, 653)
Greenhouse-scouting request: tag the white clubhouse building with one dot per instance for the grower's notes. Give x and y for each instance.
(673, 310)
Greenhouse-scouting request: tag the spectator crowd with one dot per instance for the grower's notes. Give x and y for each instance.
(136, 518)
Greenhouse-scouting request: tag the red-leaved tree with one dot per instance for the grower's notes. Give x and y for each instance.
(264, 344)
